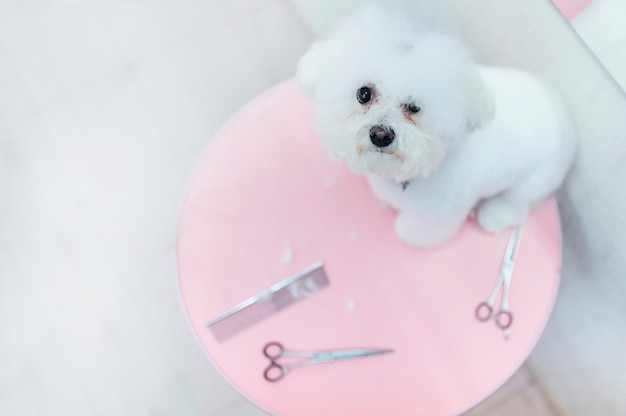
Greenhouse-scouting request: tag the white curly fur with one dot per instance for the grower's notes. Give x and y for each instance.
(493, 137)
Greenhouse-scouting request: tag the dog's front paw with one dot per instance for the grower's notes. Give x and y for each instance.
(497, 215)
(418, 234)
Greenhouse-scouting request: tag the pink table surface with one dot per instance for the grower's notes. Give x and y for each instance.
(264, 188)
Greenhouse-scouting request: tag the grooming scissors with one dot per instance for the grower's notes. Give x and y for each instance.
(276, 371)
(485, 310)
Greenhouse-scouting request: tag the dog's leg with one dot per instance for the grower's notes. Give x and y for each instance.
(428, 231)
(501, 212)
(512, 207)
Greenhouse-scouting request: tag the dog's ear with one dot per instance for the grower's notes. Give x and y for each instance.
(480, 104)
(308, 69)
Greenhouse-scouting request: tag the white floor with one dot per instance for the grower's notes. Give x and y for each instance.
(105, 109)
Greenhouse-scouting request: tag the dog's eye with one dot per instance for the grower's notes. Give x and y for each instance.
(412, 108)
(364, 94)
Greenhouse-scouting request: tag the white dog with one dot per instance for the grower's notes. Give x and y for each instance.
(436, 135)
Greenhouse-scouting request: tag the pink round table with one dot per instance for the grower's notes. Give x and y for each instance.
(265, 204)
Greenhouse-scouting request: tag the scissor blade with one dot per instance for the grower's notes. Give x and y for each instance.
(511, 249)
(359, 353)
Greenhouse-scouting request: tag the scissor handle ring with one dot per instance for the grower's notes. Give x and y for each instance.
(508, 320)
(274, 372)
(273, 346)
(481, 307)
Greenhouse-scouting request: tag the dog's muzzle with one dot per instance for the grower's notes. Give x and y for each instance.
(382, 136)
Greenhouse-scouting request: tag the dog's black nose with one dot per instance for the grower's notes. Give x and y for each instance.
(382, 136)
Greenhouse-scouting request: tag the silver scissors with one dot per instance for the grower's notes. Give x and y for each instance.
(485, 310)
(275, 350)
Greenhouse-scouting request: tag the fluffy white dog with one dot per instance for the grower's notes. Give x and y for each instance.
(437, 135)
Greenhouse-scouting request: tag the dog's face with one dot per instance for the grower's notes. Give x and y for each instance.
(392, 102)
